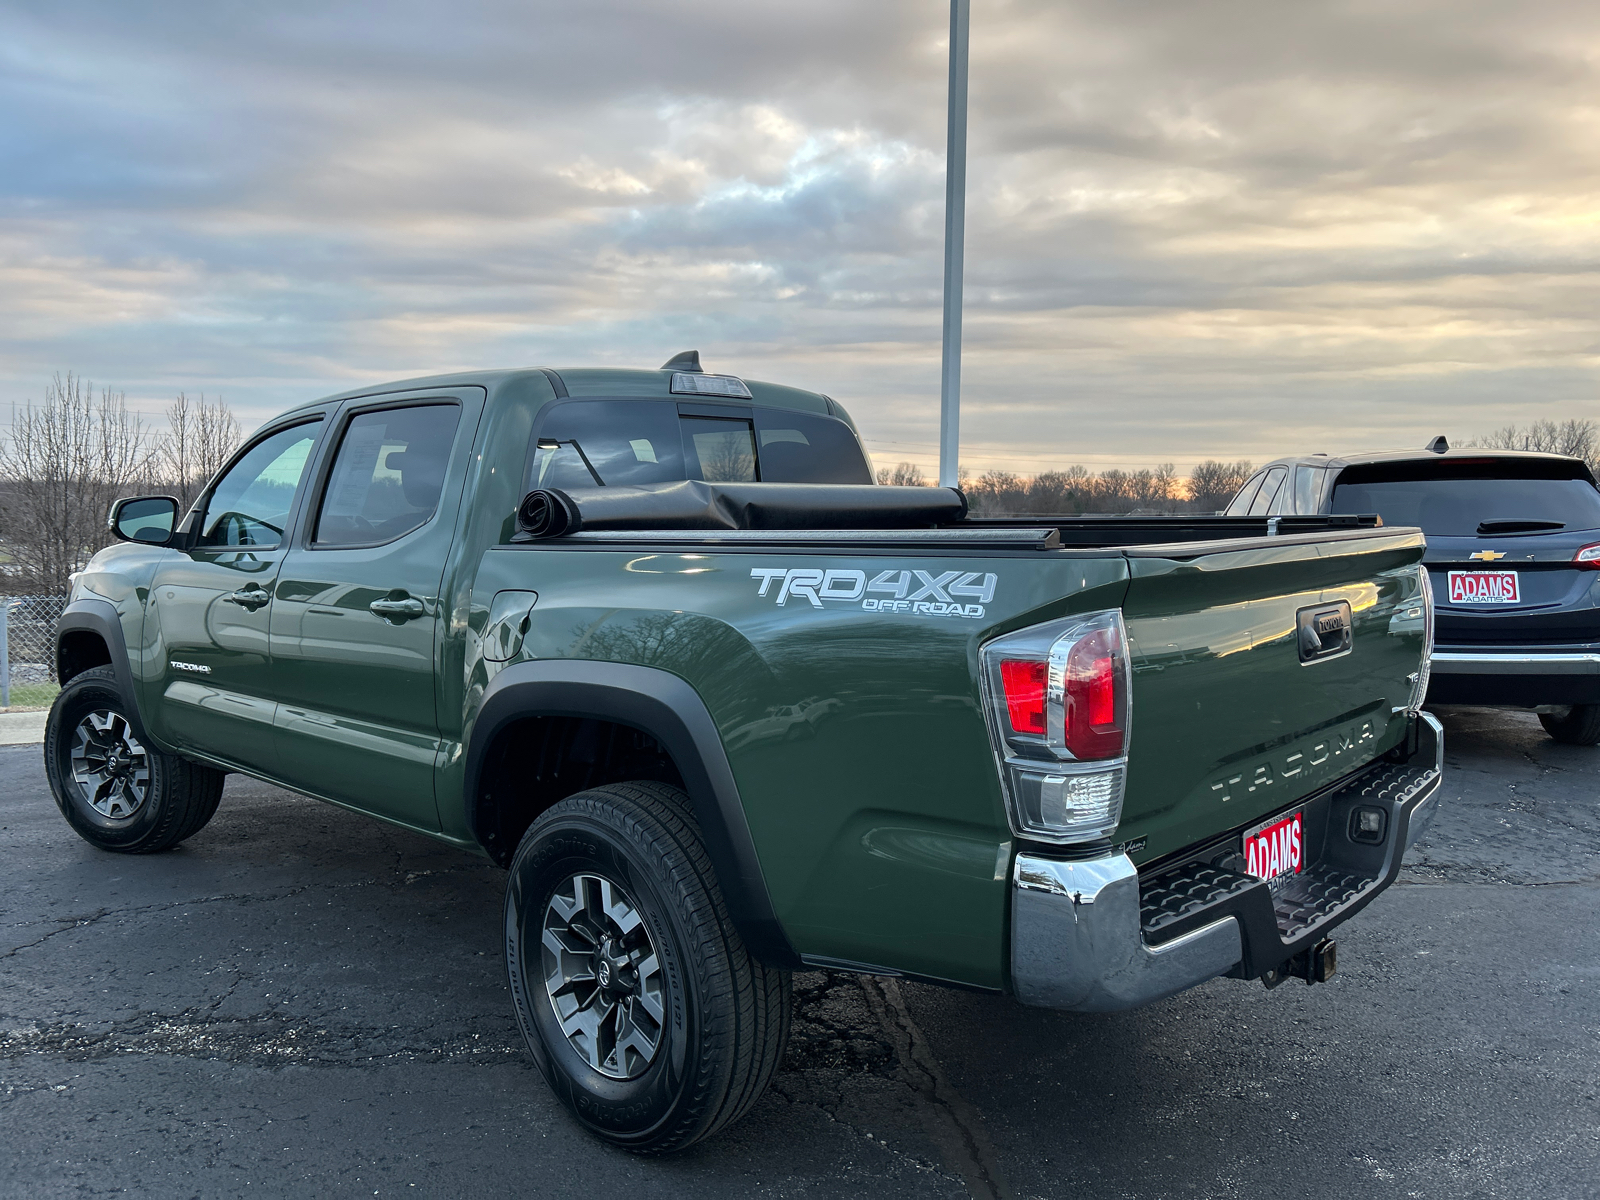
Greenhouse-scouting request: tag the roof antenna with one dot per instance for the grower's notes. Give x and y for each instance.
(684, 360)
(1438, 445)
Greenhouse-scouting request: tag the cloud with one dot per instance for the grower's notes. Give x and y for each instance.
(1230, 229)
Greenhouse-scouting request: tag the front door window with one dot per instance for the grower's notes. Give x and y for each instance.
(250, 504)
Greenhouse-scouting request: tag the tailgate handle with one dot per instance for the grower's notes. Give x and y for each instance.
(1323, 631)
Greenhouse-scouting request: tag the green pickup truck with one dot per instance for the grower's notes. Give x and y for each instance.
(653, 641)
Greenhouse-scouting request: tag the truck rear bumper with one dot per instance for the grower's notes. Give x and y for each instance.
(1091, 935)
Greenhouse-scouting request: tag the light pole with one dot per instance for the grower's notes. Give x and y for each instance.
(955, 221)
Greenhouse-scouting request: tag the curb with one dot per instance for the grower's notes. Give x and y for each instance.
(22, 729)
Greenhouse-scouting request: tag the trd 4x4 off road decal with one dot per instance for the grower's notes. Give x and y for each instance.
(917, 593)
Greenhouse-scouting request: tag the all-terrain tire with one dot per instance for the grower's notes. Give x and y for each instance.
(634, 851)
(1576, 725)
(115, 791)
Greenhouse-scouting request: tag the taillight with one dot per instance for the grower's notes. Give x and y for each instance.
(1023, 682)
(1589, 557)
(1424, 601)
(1058, 706)
(1096, 696)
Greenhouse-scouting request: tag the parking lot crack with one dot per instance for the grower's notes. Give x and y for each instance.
(64, 926)
(954, 1123)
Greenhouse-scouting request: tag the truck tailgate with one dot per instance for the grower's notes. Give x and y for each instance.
(1229, 724)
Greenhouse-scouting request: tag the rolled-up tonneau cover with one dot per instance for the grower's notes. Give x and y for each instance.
(691, 504)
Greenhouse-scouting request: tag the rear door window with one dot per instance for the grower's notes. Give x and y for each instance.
(1268, 493)
(1464, 499)
(1240, 504)
(1307, 490)
(387, 475)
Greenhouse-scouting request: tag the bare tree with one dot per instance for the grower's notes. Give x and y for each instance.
(902, 475)
(1578, 438)
(1165, 490)
(200, 436)
(67, 460)
(1114, 491)
(1212, 484)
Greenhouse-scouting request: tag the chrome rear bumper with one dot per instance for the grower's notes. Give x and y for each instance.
(1079, 929)
(1076, 941)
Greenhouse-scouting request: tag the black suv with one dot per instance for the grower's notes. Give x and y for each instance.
(1514, 551)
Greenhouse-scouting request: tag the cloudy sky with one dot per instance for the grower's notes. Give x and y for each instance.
(1195, 229)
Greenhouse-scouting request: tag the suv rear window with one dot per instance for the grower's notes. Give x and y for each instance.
(1456, 498)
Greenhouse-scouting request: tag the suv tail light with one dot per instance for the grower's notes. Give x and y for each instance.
(1419, 689)
(1057, 697)
(1589, 557)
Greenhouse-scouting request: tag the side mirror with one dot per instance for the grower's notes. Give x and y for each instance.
(146, 519)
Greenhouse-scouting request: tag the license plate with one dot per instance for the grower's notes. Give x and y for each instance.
(1484, 587)
(1276, 848)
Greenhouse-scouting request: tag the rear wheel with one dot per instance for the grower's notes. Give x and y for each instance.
(115, 791)
(1576, 724)
(637, 999)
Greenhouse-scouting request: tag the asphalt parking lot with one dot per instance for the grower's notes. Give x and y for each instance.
(300, 1001)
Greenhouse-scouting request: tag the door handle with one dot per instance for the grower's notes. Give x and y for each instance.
(251, 598)
(398, 610)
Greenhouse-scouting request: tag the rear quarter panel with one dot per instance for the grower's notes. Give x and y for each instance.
(856, 737)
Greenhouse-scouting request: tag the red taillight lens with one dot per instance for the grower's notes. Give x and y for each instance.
(1097, 701)
(1589, 557)
(1023, 681)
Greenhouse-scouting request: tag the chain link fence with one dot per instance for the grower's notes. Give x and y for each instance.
(27, 641)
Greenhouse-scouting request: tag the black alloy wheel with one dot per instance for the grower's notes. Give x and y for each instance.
(116, 791)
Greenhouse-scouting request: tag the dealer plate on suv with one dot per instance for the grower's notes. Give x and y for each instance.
(1277, 847)
(1484, 587)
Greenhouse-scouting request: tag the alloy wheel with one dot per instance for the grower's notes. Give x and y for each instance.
(603, 976)
(109, 765)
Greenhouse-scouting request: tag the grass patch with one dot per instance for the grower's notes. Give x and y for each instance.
(33, 695)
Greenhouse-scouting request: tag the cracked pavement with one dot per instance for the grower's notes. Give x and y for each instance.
(303, 1001)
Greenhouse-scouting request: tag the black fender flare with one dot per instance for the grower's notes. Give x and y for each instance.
(99, 616)
(668, 709)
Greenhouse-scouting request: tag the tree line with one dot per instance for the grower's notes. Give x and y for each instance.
(78, 450)
(1577, 438)
(1208, 487)
(996, 493)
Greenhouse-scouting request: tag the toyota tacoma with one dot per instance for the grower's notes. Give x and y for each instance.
(724, 709)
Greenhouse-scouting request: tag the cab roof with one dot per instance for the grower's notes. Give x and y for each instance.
(611, 383)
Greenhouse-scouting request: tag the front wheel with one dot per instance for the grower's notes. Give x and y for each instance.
(638, 1001)
(1576, 724)
(116, 792)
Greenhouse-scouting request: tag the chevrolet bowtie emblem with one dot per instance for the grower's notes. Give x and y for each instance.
(1486, 555)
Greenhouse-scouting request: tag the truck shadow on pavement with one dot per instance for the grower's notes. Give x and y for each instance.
(300, 999)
